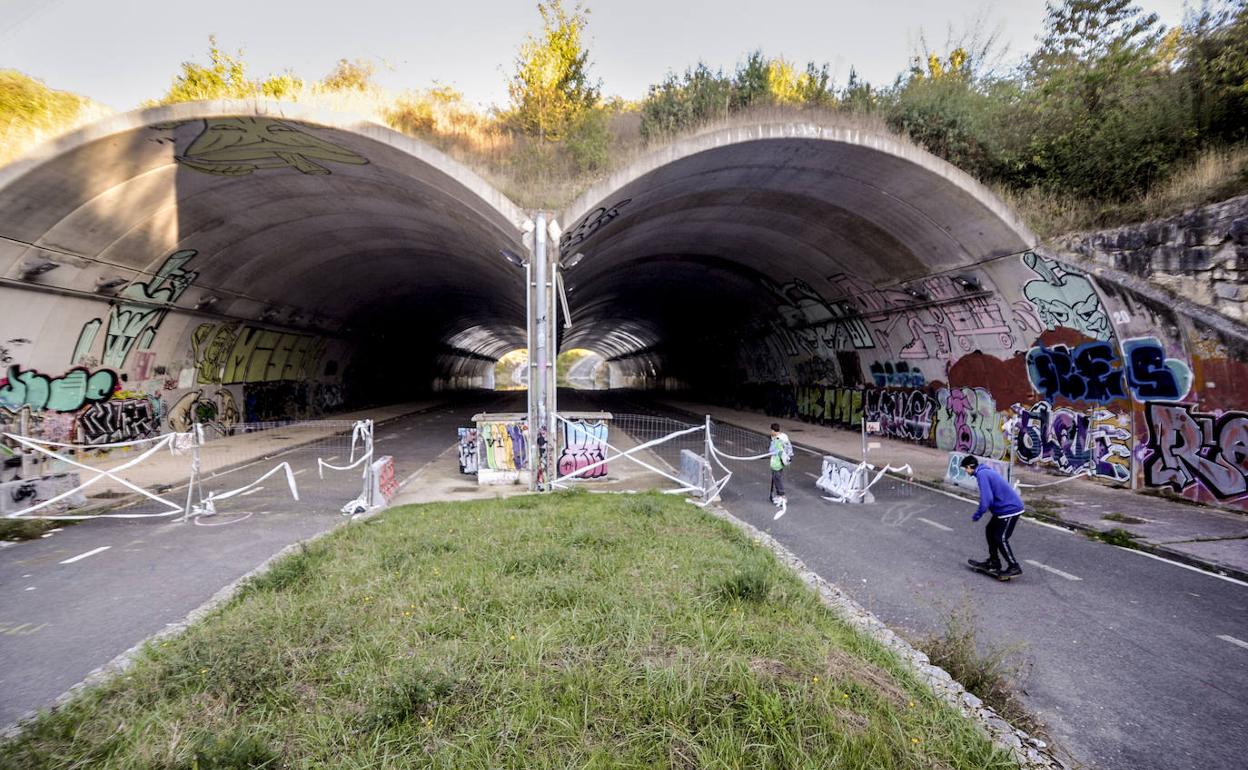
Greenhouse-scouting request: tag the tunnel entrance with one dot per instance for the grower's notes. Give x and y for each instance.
(292, 263)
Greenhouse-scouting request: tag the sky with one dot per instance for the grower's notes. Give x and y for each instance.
(122, 52)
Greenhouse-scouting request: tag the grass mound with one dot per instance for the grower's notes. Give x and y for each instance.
(588, 631)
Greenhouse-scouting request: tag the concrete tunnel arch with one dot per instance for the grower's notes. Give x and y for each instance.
(791, 218)
(232, 246)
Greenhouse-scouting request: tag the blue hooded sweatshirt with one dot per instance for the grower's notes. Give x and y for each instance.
(996, 495)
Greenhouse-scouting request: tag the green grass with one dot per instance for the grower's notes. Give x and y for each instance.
(989, 672)
(26, 529)
(1116, 536)
(573, 630)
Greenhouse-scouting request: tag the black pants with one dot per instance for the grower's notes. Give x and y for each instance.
(998, 532)
(777, 483)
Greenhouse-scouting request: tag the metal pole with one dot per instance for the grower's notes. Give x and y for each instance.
(529, 365)
(541, 303)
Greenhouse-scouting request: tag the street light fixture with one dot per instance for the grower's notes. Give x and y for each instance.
(513, 257)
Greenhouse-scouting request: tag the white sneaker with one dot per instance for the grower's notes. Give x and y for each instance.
(783, 504)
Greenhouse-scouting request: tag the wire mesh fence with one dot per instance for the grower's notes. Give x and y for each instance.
(247, 468)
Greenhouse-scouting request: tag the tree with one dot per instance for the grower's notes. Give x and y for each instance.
(350, 76)
(551, 86)
(225, 77)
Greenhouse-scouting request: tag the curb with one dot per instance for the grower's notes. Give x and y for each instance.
(1030, 753)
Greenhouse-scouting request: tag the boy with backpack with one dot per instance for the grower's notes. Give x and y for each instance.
(781, 456)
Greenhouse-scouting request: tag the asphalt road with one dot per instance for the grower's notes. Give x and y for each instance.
(73, 601)
(1132, 662)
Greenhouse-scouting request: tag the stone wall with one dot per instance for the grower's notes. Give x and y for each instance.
(1200, 255)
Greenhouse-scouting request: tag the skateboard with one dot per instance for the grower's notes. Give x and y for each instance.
(982, 571)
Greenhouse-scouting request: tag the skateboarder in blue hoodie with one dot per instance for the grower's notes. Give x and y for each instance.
(997, 498)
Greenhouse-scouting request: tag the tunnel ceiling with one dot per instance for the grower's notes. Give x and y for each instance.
(301, 218)
(701, 235)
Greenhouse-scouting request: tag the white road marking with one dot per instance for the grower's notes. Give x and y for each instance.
(1030, 520)
(252, 491)
(1054, 570)
(812, 475)
(1185, 566)
(331, 459)
(92, 552)
(301, 470)
(934, 524)
(30, 588)
(1234, 641)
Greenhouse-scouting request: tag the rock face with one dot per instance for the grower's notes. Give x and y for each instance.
(1200, 255)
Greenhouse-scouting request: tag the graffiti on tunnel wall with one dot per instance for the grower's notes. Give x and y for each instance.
(238, 146)
(1190, 449)
(230, 353)
(67, 393)
(1096, 441)
(1065, 298)
(135, 316)
(581, 444)
(1050, 374)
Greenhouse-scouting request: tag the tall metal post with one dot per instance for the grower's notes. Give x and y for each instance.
(540, 356)
(552, 345)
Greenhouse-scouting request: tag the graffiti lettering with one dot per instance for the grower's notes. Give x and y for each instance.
(1153, 376)
(468, 438)
(1074, 442)
(899, 375)
(114, 421)
(1087, 373)
(591, 223)
(1187, 447)
(506, 445)
(66, 393)
(583, 444)
(904, 414)
(229, 354)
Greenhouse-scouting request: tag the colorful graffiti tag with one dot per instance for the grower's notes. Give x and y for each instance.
(66, 393)
(1191, 450)
(582, 444)
(506, 445)
(468, 457)
(1097, 442)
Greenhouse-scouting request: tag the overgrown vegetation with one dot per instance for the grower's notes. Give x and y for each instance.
(1116, 536)
(30, 112)
(990, 674)
(25, 529)
(1111, 119)
(570, 630)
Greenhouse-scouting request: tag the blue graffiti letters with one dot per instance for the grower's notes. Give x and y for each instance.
(1153, 376)
(1087, 373)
